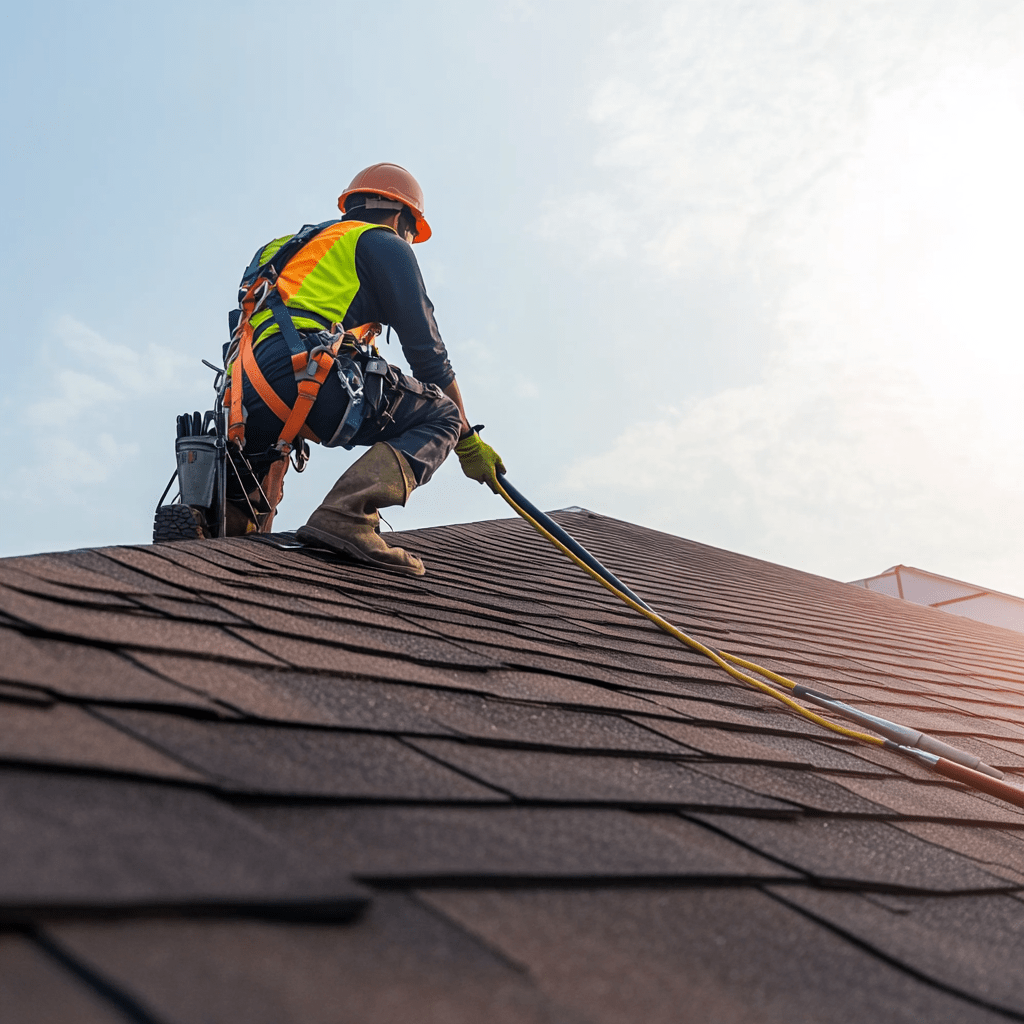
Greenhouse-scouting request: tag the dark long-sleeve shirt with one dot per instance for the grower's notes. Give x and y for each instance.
(391, 291)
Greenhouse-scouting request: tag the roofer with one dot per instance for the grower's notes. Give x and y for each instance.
(357, 271)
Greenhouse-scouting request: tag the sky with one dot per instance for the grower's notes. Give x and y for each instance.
(746, 272)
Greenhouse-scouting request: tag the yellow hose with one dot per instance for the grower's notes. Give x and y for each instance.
(722, 660)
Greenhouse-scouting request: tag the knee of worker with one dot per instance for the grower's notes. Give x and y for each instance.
(427, 444)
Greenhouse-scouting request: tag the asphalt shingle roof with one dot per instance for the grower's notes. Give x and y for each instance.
(240, 782)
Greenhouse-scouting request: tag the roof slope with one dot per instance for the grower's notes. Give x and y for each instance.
(244, 783)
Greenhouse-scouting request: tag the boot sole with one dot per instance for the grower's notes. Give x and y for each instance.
(179, 522)
(314, 538)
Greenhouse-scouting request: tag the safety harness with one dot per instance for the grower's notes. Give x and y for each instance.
(258, 290)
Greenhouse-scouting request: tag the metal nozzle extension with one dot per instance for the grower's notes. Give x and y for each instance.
(899, 734)
(934, 746)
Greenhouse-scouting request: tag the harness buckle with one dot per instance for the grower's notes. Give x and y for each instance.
(312, 367)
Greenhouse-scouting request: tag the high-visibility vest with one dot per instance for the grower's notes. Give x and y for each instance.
(320, 278)
(312, 290)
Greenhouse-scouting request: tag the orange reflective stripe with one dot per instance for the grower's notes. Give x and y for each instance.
(306, 259)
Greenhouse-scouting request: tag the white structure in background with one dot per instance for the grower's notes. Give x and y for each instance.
(954, 596)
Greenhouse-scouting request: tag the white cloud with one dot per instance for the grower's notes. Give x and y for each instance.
(99, 385)
(862, 164)
(97, 437)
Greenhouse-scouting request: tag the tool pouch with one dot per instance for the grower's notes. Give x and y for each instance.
(431, 392)
(198, 459)
(397, 386)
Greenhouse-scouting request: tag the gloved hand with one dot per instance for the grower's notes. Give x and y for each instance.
(479, 460)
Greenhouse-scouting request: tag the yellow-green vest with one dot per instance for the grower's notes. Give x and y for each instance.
(321, 277)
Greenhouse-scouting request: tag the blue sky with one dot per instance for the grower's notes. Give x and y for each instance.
(746, 272)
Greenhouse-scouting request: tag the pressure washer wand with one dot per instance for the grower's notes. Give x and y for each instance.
(942, 758)
(576, 548)
(902, 736)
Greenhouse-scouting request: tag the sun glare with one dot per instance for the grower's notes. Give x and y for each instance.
(927, 245)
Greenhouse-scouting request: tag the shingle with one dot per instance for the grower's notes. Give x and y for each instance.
(148, 632)
(22, 693)
(720, 743)
(358, 703)
(403, 962)
(530, 648)
(416, 644)
(890, 763)
(869, 853)
(76, 844)
(251, 691)
(265, 602)
(420, 843)
(544, 725)
(952, 724)
(79, 570)
(149, 570)
(304, 762)
(841, 756)
(1001, 852)
(12, 579)
(664, 955)
(732, 706)
(573, 778)
(117, 570)
(72, 738)
(36, 989)
(939, 800)
(325, 657)
(84, 672)
(999, 752)
(188, 609)
(805, 789)
(972, 944)
(727, 732)
(544, 688)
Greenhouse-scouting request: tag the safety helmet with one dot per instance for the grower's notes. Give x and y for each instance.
(392, 182)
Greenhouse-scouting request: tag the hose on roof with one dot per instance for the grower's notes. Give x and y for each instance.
(940, 757)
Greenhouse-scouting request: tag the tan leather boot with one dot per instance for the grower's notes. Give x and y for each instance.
(347, 519)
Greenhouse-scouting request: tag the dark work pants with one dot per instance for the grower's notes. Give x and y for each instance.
(421, 422)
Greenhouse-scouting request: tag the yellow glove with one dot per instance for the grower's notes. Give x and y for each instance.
(479, 460)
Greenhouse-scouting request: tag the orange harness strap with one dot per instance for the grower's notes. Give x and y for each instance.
(309, 384)
(273, 401)
(309, 388)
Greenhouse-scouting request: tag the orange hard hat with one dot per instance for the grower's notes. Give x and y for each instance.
(392, 182)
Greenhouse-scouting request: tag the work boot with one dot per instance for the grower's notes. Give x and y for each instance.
(347, 519)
